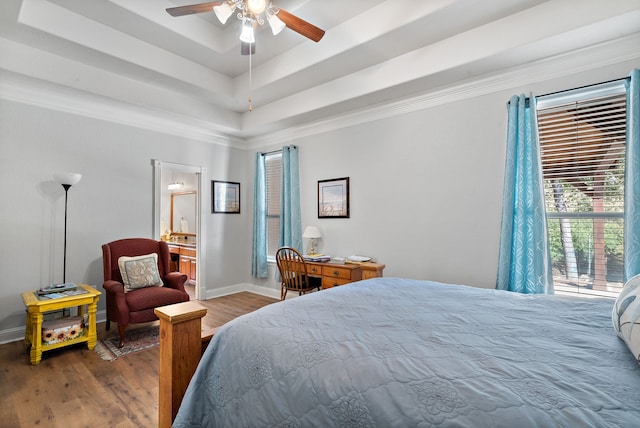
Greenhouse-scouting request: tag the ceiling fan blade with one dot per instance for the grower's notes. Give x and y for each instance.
(193, 8)
(301, 26)
(244, 48)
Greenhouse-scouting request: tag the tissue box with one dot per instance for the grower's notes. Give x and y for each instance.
(62, 330)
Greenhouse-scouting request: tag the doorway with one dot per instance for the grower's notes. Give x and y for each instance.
(177, 219)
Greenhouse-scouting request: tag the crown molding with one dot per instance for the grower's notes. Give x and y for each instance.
(47, 95)
(586, 59)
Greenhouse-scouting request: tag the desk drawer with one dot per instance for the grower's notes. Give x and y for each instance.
(342, 272)
(328, 282)
(314, 270)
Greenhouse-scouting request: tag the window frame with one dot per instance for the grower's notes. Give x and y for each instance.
(580, 97)
(273, 192)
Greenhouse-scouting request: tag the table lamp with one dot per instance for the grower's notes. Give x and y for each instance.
(312, 233)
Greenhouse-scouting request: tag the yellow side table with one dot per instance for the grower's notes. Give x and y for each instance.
(36, 307)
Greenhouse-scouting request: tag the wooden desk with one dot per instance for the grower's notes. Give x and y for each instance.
(36, 308)
(334, 274)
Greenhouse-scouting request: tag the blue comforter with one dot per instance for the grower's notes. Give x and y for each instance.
(393, 352)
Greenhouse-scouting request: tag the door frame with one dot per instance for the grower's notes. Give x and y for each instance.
(201, 179)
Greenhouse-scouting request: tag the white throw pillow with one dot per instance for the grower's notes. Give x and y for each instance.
(626, 315)
(139, 272)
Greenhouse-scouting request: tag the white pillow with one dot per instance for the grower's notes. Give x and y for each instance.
(626, 315)
(139, 272)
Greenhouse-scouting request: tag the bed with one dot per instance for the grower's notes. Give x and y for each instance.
(395, 352)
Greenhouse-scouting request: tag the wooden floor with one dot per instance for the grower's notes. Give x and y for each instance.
(74, 387)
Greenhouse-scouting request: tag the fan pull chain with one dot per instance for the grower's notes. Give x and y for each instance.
(250, 79)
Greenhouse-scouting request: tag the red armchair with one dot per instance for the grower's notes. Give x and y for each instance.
(137, 306)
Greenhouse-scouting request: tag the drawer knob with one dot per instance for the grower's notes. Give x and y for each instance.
(336, 273)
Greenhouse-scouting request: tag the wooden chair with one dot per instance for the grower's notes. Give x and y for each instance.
(293, 273)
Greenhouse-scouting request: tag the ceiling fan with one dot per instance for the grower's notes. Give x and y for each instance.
(252, 13)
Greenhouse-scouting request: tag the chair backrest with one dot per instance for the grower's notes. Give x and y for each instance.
(112, 251)
(293, 269)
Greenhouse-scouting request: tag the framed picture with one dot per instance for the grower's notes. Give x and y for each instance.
(333, 198)
(225, 197)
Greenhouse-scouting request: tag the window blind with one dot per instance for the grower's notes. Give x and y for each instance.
(273, 171)
(582, 150)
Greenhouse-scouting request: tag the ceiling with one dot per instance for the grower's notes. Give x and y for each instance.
(189, 69)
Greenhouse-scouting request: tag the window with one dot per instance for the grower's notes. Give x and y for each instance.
(273, 171)
(582, 149)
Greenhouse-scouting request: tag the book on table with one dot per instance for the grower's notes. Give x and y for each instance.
(358, 259)
(57, 288)
(316, 258)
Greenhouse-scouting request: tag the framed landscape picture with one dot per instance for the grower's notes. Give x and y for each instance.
(333, 198)
(225, 197)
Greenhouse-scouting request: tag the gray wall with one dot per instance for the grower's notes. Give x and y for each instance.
(426, 191)
(113, 200)
(426, 187)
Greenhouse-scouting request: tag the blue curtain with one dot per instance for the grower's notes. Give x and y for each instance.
(524, 263)
(632, 180)
(259, 252)
(290, 216)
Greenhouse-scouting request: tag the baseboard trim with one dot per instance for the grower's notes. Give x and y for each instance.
(12, 335)
(232, 289)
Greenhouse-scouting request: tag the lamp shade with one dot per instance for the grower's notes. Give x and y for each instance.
(69, 178)
(247, 33)
(312, 232)
(223, 11)
(276, 24)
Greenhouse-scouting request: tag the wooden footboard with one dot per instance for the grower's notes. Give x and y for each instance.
(182, 342)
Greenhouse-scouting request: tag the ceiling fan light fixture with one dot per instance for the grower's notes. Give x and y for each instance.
(224, 11)
(256, 7)
(275, 23)
(247, 32)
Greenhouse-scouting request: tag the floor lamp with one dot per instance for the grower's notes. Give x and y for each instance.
(67, 180)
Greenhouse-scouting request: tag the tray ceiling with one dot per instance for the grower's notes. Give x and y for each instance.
(374, 51)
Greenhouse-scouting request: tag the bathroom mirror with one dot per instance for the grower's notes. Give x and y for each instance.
(183, 213)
